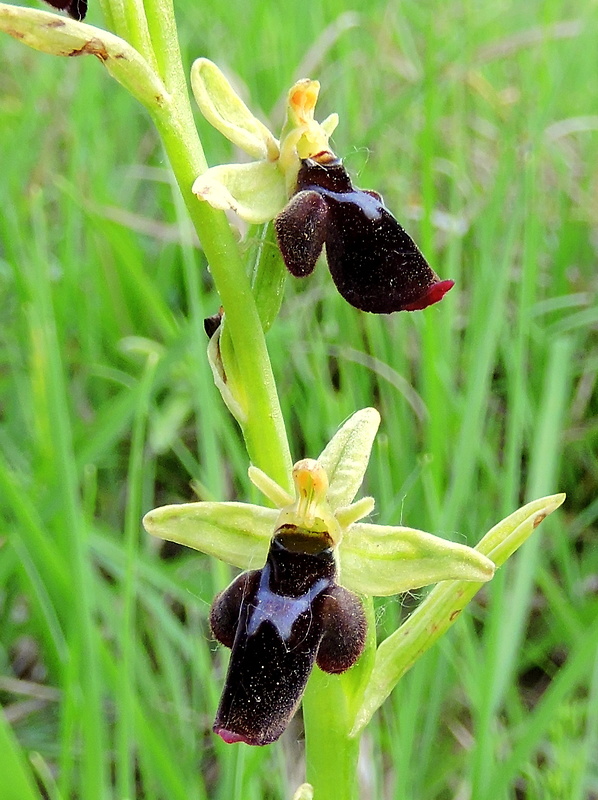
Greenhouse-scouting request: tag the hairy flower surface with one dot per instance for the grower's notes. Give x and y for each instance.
(307, 558)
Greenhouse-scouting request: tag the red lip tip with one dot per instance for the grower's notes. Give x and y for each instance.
(432, 295)
(230, 737)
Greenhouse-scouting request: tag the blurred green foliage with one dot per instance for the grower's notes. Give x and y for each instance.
(477, 123)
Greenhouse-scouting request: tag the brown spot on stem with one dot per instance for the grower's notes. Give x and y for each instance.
(538, 519)
(55, 23)
(454, 614)
(94, 47)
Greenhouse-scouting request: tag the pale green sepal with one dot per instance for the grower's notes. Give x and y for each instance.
(255, 191)
(383, 560)
(238, 533)
(224, 109)
(60, 36)
(432, 618)
(503, 539)
(304, 792)
(345, 457)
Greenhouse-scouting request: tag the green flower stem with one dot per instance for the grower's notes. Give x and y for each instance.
(164, 38)
(330, 704)
(129, 21)
(108, 14)
(331, 754)
(263, 427)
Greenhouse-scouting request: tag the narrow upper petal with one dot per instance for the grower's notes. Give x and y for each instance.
(345, 457)
(224, 109)
(238, 533)
(384, 560)
(302, 136)
(254, 191)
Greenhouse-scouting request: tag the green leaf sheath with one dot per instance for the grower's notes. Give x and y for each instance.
(441, 608)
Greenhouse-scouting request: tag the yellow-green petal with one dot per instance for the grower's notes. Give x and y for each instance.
(382, 560)
(345, 457)
(329, 125)
(269, 488)
(255, 191)
(224, 109)
(238, 533)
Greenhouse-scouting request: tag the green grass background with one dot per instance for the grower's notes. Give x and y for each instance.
(479, 124)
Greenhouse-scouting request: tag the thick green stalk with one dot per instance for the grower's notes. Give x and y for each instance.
(263, 427)
(164, 38)
(331, 754)
(330, 705)
(129, 21)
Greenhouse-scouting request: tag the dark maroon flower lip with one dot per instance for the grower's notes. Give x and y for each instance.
(433, 294)
(280, 621)
(374, 263)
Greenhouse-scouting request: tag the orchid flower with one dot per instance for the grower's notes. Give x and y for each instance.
(300, 183)
(310, 560)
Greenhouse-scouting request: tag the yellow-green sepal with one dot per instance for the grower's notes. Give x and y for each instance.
(254, 191)
(224, 109)
(237, 533)
(383, 560)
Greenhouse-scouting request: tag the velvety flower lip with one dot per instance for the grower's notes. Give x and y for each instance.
(374, 263)
(279, 621)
